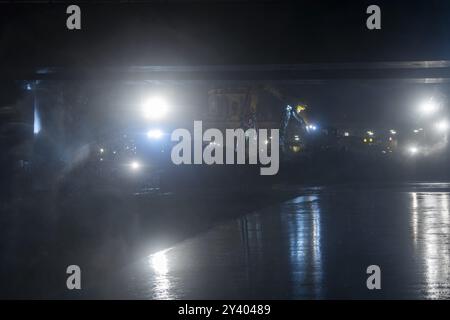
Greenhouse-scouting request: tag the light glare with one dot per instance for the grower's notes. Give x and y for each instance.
(155, 108)
(428, 107)
(442, 126)
(413, 150)
(154, 134)
(135, 165)
(159, 263)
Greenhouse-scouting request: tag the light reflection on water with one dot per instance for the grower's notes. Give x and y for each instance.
(276, 253)
(309, 246)
(302, 221)
(431, 230)
(161, 280)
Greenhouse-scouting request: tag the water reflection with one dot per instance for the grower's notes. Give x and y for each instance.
(160, 279)
(159, 262)
(302, 249)
(430, 227)
(289, 236)
(276, 252)
(302, 220)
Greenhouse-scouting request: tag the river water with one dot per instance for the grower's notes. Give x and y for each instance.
(317, 245)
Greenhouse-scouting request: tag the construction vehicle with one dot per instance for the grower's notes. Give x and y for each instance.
(245, 106)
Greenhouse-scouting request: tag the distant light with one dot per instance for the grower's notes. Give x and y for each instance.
(135, 165)
(296, 138)
(442, 125)
(428, 107)
(155, 108)
(370, 133)
(102, 150)
(346, 134)
(370, 140)
(154, 134)
(393, 131)
(295, 149)
(37, 120)
(416, 130)
(413, 150)
(28, 87)
(312, 127)
(365, 140)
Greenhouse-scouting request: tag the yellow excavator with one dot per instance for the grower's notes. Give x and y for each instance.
(294, 125)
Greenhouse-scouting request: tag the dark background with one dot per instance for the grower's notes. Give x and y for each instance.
(221, 32)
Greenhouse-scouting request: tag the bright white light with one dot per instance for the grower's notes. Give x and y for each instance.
(135, 165)
(155, 108)
(392, 131)
(102, 150)
(428, 107)
(346, 134)
(154, 134)
(158, 261)
(370, 133)
(413, 150)
(442, 125)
